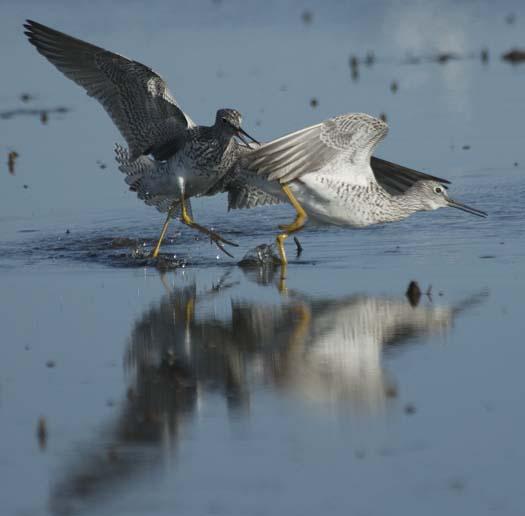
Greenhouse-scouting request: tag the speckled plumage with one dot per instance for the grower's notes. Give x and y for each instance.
(189, 159)
(134, 96)
(330, 170)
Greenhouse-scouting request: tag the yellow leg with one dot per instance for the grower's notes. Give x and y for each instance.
(185, 215)
(283, 289)
(280, 246)
(156, 251)
(301, 329)
(190, 310)
(214, 237)
(296, 225)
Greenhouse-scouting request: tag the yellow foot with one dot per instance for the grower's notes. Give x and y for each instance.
(217, 239)
(214, 237)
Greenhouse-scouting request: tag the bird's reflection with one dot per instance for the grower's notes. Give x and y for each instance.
(183, 348)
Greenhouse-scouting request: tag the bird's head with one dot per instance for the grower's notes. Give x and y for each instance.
(229, 121)
(432, 195)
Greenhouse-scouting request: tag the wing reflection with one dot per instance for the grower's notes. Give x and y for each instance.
(196, 342)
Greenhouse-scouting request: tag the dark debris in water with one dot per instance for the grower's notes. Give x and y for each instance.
(457, 484)
(514, 56)
(510, 19)
(11, 160)
(298, 247)
(391, 391)
(445, 57)
(410, 409)
(26, 97)
(413, 293)
(307, 17)
(354, 67)
(11, 113)
(41, 432)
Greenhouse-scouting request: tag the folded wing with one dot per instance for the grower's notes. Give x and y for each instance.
(397, 179)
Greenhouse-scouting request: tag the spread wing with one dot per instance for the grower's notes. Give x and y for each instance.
(135, 97)
(343, 140)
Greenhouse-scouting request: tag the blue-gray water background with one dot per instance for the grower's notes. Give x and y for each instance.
(206, 390)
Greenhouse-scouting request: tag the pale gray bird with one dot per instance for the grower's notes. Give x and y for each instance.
(327, 173)
(152, 123)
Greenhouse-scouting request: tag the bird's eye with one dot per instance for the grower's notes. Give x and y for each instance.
(438, 189)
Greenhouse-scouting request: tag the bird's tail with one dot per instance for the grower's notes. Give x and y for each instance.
(140, 174)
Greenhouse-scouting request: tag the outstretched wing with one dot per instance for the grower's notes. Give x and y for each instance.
(135, 97)
(344, 139)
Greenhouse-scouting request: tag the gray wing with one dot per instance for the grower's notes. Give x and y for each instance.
(242, 194)
(135, 97)
(144, 173)
(241, 184)
(344, 139)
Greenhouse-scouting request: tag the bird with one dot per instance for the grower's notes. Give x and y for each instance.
(328, 174)
(188, 158)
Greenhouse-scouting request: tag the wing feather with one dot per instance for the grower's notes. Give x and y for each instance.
(135, 97)
(348, 138)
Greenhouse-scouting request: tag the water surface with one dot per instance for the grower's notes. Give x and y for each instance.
(215, 389)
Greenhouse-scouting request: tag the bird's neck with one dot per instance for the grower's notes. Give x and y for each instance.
(214, 148)
(396, 207)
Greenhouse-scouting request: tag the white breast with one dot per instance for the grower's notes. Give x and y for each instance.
(330, 199)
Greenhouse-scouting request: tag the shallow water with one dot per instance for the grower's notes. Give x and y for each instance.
(210, 388)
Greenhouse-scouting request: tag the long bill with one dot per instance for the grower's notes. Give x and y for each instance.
(241, 133)
(468, 209)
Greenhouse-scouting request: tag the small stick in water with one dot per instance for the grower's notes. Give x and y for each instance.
(299, 246)
(11, 158)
